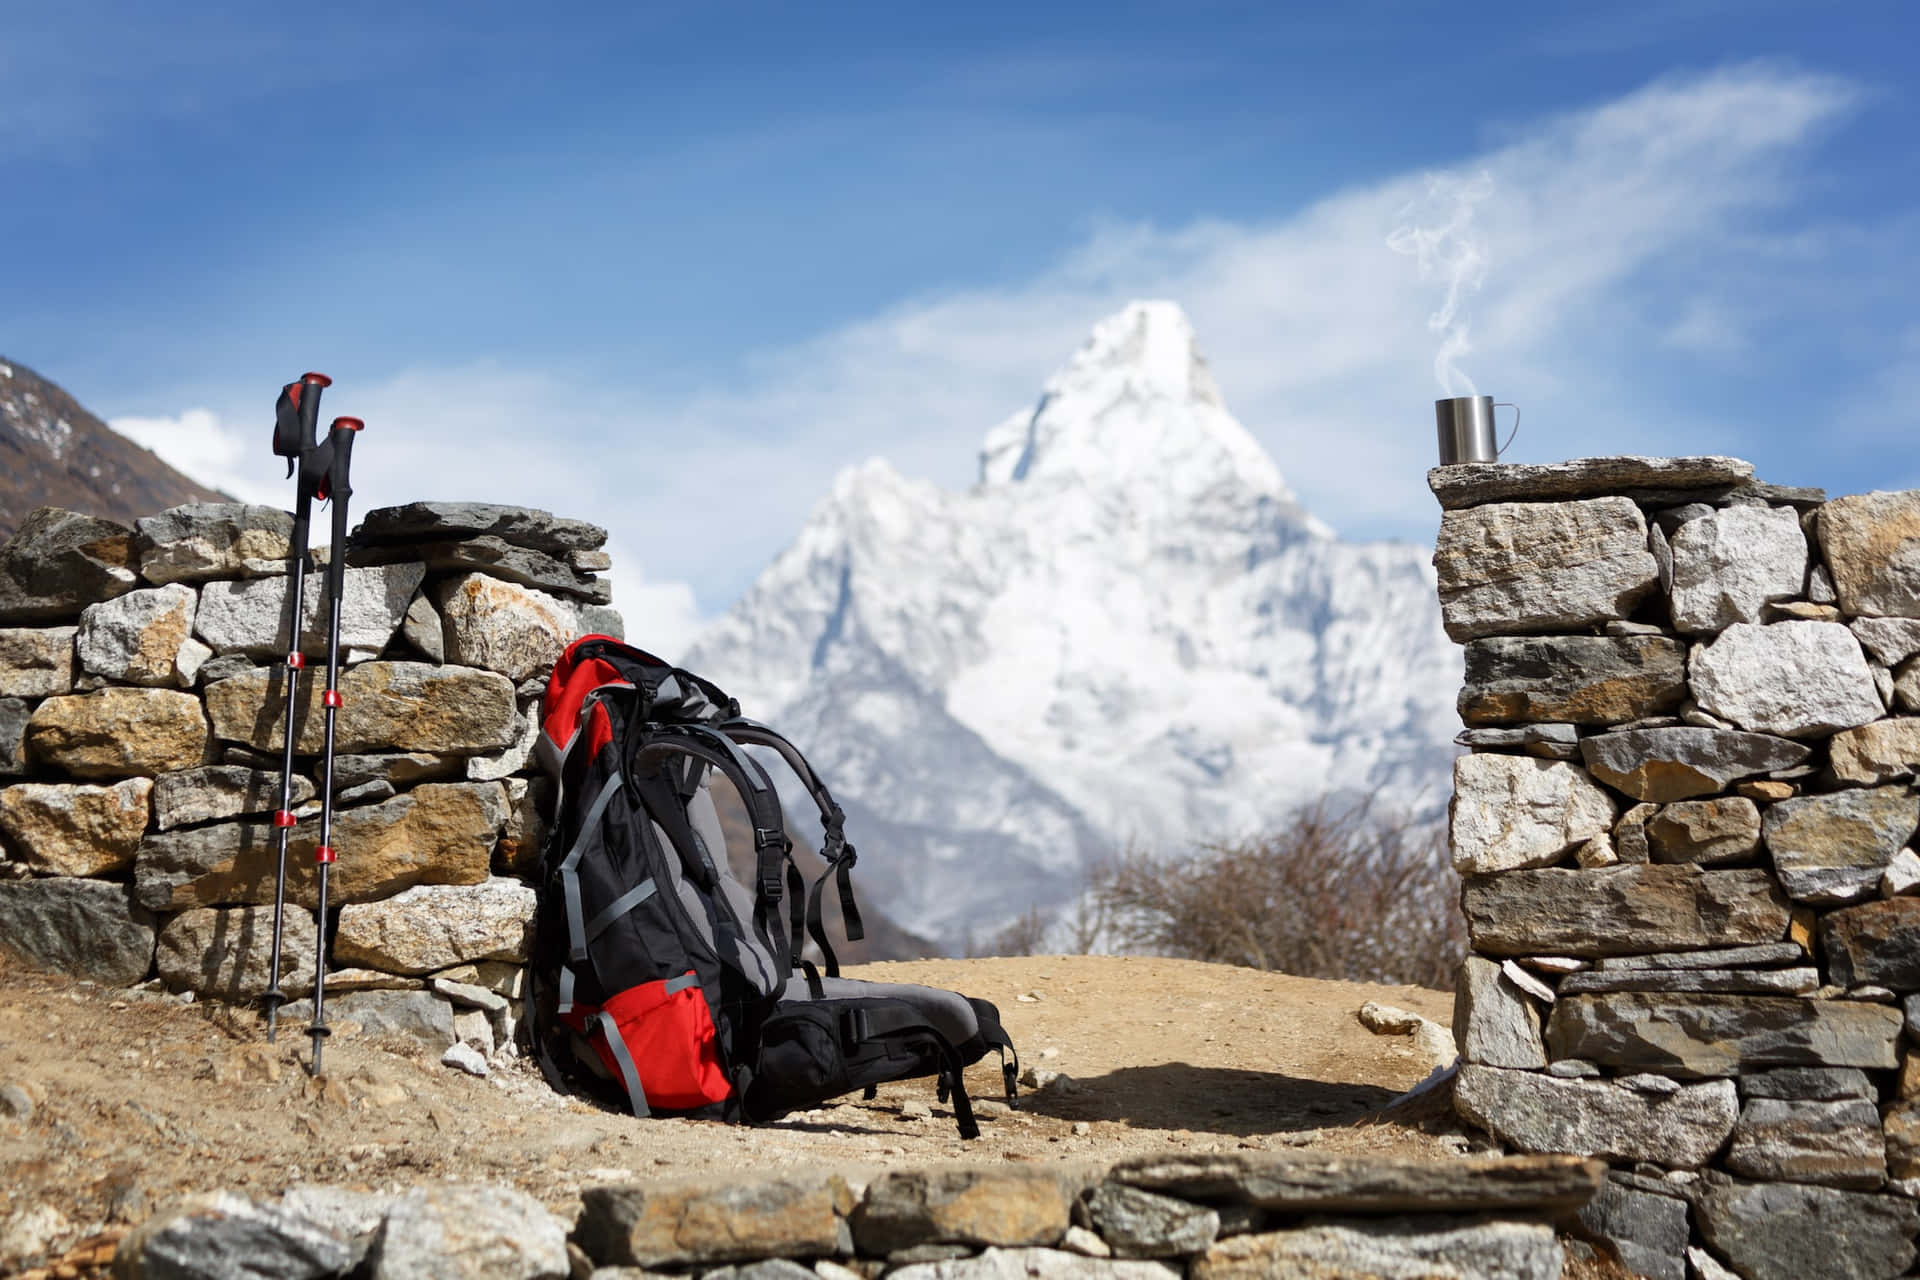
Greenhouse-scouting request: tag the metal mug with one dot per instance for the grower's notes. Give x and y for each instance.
(1467, 430)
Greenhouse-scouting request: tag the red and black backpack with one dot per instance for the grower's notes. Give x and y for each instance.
(658, 979)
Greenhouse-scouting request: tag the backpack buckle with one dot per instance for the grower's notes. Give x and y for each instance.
(768, 837)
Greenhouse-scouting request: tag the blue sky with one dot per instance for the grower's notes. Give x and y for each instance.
(609, 258)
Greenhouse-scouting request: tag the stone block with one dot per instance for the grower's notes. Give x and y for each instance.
(1765, 954)
(215, 792)
(1647, 1231)
(58, 562)
(205, 540)
(1682, 761)
(224, 1234)
(119, 733)
(496, 559)
(1884, 751)
(1731, 563)
(1548, 741)
(14, 714)
(467, 1232)
(989, 1264)
(227, 954)
(1306, 1182)
(434, 927)
(403, 706)
(1423, 1246)
(1517, 811)
(1793, 679)
(1902, 1128)
(1143, 1224)
(1471, 484)
(420, 1016)
(36, 662)
(683, 1223)
(440, 521)
(1889, 641)
(89, 929)
(1515, 568)
(250, 616)
(1872, 546)
(1707, 832)
(1533, 1112)
(1621, 910)
(1494, 1023)
(1876, 943)
(144, 638)
(74, 829)
(1693, 1035)
(424, 629)
(1791, 1231)
(979, 1205)
(1829, 1143)
(1800, 981)
(503, 626)
(1573, 679)
(436, 834)
(1830, 849)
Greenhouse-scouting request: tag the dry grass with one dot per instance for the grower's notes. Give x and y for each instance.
(1332, 893)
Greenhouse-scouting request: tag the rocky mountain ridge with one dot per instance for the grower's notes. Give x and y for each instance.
(54, 453)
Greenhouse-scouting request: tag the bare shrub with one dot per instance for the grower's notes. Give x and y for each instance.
(1026, 936)
(1331, 893)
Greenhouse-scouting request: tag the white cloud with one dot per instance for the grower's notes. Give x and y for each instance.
(202, 446)
(1317, 332)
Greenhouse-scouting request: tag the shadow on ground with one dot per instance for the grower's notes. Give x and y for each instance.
(1177, 1095)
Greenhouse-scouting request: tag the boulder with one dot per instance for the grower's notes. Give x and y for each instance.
(449, 1231)
(1682, 761)
(228, 953)
(1572, 679)
(1693, 1035)
(433, 927)
(706, 1221)
(1518, 811)
(1792, 1231)
(1143, 1224)
(503, 626)
(59, 562)
(1470, 484)
(1872, 546)
(1833, 1144)
(1729, 564)
(1645, 1229)
(215, 792)
(1621, 910)
(250, 617)
(405, 706)
(1494, 1023)
(1877, 943)
(1726, 829)
(1834, 848)
(1533, 1112)
(75, 829)
(223, 1234)
(119, 733)
(89, 929)
(143, 637)
(1429, 1247)
(496, 559)
(205, 540)
(1889, 641)
(14, 714)
(1884, 751)
(440, 521)
(435, 834)
(1517, 567)
(979, 1205)
(36, 662)
(1794, 679)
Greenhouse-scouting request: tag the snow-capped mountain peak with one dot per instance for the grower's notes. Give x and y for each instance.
(1129, 630)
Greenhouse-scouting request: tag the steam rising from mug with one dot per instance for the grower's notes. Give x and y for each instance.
(1442, 239)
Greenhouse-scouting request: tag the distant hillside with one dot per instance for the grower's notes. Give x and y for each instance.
(55, 453)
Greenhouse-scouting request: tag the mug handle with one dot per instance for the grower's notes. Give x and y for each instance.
(1503, 404)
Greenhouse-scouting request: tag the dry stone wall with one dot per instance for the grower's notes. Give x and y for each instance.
(1686, 828)
(142, 712)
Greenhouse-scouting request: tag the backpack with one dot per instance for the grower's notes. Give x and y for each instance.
(661, 982)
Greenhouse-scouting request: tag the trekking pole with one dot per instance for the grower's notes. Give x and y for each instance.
(335, 487)
(296, 418)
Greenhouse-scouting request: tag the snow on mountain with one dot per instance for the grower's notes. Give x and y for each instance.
(1129, 631)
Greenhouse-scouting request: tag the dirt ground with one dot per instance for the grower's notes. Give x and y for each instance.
(137, 1099)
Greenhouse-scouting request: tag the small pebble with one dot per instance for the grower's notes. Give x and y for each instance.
(914, 1109)
(1081, 1128)
(465, 1057)
(16, 1102)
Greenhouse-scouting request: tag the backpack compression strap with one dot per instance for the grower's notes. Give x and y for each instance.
(839, 856)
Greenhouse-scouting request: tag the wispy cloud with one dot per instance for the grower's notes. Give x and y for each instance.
(1317, 332)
